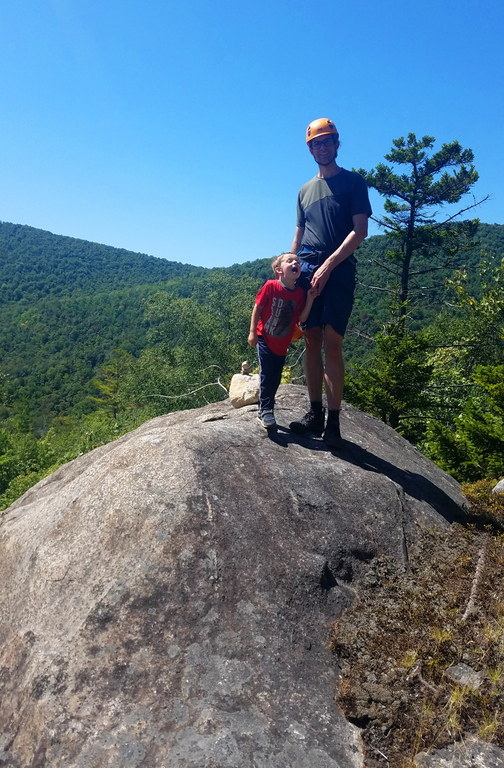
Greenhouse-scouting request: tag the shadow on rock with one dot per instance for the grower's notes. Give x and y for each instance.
(415, 485)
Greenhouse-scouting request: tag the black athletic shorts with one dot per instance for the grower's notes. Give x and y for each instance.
(334, 306)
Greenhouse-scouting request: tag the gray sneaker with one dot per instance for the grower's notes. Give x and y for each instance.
(311, 423)
(267, 419)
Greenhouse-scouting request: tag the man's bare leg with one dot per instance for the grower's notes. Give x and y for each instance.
(313, 363)
(334, 374)
(314, 421)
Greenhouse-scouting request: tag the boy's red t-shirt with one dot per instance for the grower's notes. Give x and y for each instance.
(281, 309)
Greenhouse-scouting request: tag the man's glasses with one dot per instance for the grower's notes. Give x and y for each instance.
(316, 144)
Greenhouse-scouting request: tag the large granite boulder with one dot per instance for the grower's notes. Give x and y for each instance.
(166, 599)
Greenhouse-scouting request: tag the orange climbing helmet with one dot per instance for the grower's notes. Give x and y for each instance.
(320, 127)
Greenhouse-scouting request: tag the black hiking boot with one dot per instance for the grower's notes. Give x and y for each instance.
(312, 423)
(332, 435)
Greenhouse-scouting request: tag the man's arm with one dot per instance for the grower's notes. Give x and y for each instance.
(298, 239)
(347, 247)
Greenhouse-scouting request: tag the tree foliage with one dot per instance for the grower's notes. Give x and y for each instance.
(471, 447)
(421, 244)
(466, 437)
(393, 385)
(108, 382)
(424, 243)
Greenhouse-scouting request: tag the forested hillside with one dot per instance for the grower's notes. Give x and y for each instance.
(94, 340)
(66, 304)
(35, 263)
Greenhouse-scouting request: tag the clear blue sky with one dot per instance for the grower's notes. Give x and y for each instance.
(177, 128)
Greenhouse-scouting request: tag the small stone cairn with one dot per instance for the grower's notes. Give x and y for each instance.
(244, 387)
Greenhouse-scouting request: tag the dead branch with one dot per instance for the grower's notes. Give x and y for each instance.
(471, 604)
(298, 359)
(379, 752)
(376, 287)
(217, 383)
(360, 334)
(417, 672)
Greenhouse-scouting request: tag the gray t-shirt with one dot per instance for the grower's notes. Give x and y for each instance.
(325, 208)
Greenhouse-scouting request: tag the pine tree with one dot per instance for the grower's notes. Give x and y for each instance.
(421, 244)
(422, 247)
(109, 379)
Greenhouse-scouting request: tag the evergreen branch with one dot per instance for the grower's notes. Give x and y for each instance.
(450, 346)
(459, 213)
(384, 265)
(386, 224)
(429, 269)
(431, 387)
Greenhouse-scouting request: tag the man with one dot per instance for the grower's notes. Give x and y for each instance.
(332, 217)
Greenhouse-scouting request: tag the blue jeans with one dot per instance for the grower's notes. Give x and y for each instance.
(270, 374)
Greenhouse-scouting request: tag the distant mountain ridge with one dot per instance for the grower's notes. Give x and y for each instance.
(36, 263)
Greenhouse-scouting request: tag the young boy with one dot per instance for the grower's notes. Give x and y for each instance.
(280, 304)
